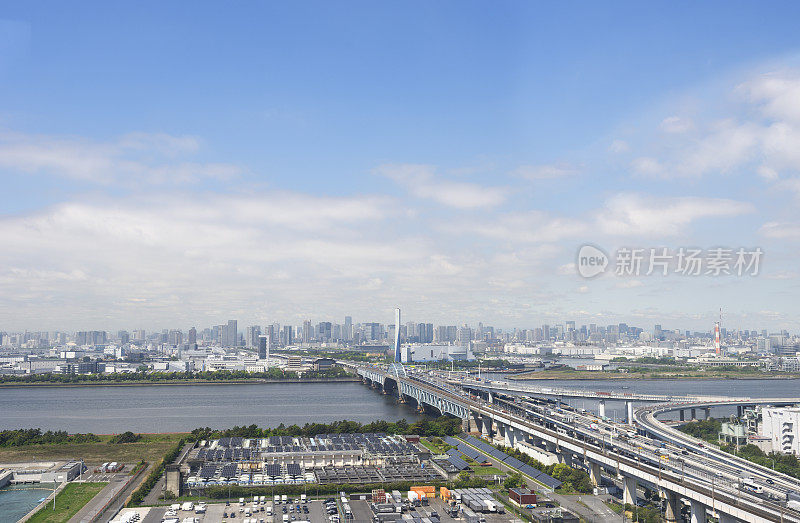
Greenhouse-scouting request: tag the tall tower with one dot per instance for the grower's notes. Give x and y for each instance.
(717, 344)
(397, 355)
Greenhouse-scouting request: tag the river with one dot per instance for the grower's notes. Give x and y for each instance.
(175, 408)
(710, 387)
(180, 408)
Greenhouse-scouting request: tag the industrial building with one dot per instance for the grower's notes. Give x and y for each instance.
(325, 458)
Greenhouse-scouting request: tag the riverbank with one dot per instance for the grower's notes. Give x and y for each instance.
(138, 383)
(573, 374)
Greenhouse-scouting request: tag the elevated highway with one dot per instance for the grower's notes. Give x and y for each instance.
(722, 500)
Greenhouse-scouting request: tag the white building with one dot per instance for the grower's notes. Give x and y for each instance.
(782, 426)
(420, 352)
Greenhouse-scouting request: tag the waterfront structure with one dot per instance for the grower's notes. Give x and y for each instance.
(397, 355)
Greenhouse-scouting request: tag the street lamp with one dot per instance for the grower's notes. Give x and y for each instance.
(54, 490)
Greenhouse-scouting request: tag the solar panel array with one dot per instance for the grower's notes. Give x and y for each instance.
(224, 454)
(360, 474)
(458, 463)
(251, 462)
(511, 461)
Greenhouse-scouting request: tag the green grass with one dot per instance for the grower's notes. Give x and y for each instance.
(433, 447)
(68, 502)
(151, 447)
(487, 471)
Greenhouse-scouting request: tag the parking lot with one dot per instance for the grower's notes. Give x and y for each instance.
(216, 512)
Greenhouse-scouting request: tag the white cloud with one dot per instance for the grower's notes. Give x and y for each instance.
(781, 230)
(530, 226)
(629, 284)
(544, 172)
(647, 166)
(422, 182)
(759, 133)
(634, 214)
(619, 146)
(130, 160)
(777, 94)
(676, 125)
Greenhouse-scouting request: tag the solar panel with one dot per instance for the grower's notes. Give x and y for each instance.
(514, 462)
(530, 471)
(550, 482)
(450, 440)
(293, 469)
(469, 451)
(458, 463)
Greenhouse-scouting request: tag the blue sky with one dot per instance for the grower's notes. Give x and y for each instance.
(179, 164)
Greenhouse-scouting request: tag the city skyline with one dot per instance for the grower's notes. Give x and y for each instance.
(449, 164)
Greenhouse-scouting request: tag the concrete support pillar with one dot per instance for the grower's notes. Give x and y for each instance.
(550, 446)
(726, 518)
(594, 474)
(672, 513)
(565, 458)
(491, 398)
(476, 421)
(682, 415)
(707, 412)
(739, 411)
(486, 425)
(694, 414)
(601, 408)
(698, 512)
(629, 410)
(511, 436)
(629, 490)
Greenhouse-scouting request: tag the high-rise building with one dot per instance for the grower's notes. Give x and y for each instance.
(263, 348)
(373, 331)
(324, 331)
(123, 337)
(307, 332)
(233, 334)
(347, 333)
(253, 333)
(192, 338)
(175, 337)
(286, 335)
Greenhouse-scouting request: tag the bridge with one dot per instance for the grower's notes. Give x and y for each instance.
(581, 447)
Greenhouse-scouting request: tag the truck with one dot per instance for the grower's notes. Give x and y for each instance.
(303, 498)
(276, 500)
(284, 498)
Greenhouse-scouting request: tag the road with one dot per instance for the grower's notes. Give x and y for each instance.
(702, 474)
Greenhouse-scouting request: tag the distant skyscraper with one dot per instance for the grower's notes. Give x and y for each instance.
(348, 329)
(324, 331)
(286, 335)
(253, 332)
(263, 348)
(192, 338)
(233, 334)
